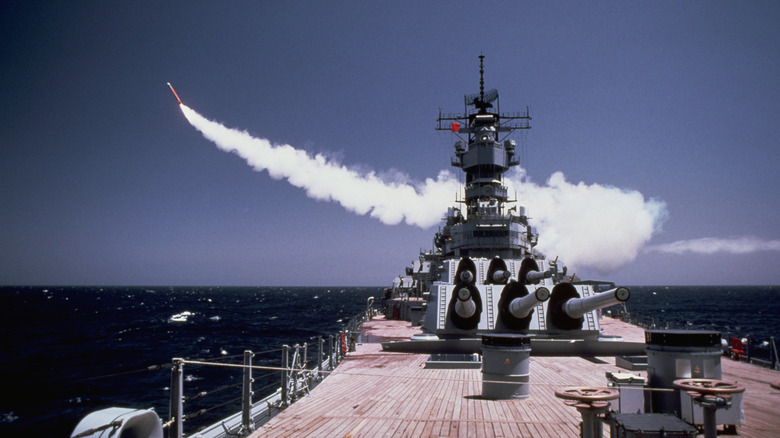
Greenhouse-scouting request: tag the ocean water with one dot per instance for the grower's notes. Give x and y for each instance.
(740, 311)
(67, 351)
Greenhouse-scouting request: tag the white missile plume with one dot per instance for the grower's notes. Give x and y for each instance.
(391, 202)
(713, 245)
(590, 226)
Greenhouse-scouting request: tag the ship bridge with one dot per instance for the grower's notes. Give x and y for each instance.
(484, 156)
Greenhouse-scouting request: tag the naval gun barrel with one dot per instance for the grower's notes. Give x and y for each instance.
(576, 307)
(533, 277)
(501, 277)
(465, 306)
(521, 307)
(566, 308)
(466, 276)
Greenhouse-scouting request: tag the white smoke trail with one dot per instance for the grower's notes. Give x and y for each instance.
(713, 245)
(591, 226)
(389, 201)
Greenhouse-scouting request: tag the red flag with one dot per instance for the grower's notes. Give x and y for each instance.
(455, 127)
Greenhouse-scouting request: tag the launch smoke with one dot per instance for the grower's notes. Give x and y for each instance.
(323, 179)
(589, 226)
(713, 245)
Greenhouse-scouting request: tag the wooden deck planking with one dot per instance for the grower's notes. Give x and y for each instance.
(374, 393)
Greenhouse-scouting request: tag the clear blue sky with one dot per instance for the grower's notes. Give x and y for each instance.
(103, 180)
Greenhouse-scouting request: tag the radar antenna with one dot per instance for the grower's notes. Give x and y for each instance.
(482, 100)
(482, 113)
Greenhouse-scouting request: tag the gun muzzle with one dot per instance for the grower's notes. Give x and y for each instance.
(466, 276)
(533, 277)
(577, 307)
(521, 307)
(566, 308)
(501, 277)
(465, 306)
(516, 306)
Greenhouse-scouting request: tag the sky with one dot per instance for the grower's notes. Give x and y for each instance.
(669, 106)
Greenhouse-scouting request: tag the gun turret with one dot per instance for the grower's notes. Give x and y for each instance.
(566, 308)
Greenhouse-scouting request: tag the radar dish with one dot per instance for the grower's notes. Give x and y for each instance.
(490, 96)
(482, 100)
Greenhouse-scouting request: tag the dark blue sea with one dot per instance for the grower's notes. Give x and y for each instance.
(67, 351)
(737, 311)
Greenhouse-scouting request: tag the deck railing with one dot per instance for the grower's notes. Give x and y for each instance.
(298, 375)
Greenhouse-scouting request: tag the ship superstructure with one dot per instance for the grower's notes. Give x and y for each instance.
(484, 273)
(484, 154)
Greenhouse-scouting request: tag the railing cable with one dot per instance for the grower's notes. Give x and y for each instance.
(112, 425)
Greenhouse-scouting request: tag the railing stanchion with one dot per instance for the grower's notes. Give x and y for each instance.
(176, 408)
(285, 373)
(247, 425)
(320, 343)
(330, 352)
(294, 370)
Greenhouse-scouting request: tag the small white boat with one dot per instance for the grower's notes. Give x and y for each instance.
(180, 317)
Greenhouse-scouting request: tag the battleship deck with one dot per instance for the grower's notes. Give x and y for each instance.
(376, 393)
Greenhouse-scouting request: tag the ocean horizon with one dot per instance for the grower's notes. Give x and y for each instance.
(70, 350)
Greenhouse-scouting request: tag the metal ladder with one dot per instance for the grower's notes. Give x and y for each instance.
(541, 316)
(589, 318)
(489, 300)
(443, 306)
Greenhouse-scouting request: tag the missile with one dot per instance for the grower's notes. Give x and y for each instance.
(174, 93)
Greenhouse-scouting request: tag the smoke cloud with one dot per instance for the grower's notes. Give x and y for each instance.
(590, 226)
(713, 245)
(391, 202)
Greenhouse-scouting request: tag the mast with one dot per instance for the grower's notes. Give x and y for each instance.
(484, 154)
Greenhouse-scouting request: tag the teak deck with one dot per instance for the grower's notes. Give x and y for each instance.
(374, 393)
